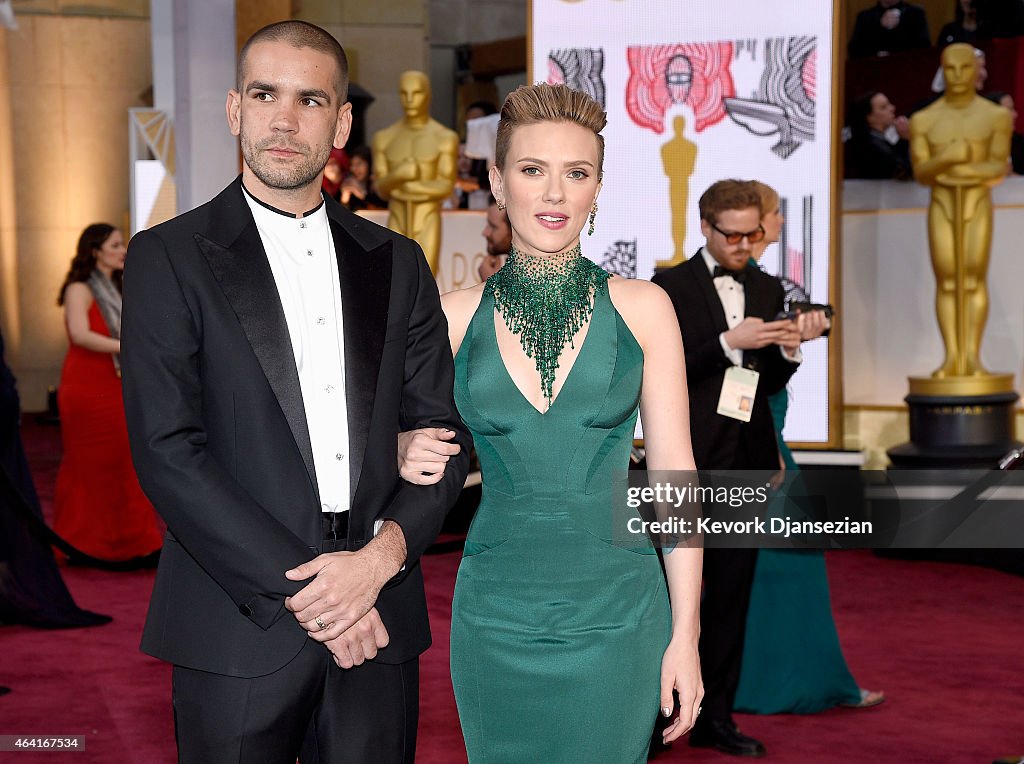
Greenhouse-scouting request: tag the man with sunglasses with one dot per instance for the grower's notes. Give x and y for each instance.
(726, 309)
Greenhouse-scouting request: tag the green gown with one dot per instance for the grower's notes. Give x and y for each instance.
(792, 661)
(557, 634)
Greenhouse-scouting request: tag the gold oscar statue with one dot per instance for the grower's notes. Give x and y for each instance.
(679, 157)
(959, 147)
(415, 163)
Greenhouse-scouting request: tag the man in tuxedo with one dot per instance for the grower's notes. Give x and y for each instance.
(274, 345)
(889, 26)
(726, 309)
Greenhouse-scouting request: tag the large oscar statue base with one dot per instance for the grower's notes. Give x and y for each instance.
(958, 422)
(960, 427)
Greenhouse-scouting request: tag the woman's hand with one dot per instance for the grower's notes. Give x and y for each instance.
(812, 324)
(423, 454)
(353, 187)
(680, 671)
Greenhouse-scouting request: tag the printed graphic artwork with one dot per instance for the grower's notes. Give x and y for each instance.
(695, 74)
(784, 103)
(695, 92)
(621, 259)
(679, 158)
(580, 69)
(794, 292)
(699, 75)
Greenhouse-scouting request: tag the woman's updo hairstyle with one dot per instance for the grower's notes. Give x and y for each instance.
(531, 104)
(769, 197)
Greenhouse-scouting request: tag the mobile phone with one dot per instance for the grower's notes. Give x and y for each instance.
(807, 307)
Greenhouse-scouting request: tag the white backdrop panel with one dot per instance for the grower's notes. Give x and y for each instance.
(746, 79)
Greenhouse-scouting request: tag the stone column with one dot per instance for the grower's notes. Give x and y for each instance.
(194, 58)
(10, 323)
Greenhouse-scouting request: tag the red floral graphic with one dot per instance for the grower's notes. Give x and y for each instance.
(555, 74)
(696, 74)
(809, 74)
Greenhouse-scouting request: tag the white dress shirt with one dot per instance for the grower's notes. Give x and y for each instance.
(734, 302)
(305, 267)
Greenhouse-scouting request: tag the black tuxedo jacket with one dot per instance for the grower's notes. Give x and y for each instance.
(721, 442)
(221, 444)
(870, 37)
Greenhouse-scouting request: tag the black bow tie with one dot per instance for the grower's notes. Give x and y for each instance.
(740, 276)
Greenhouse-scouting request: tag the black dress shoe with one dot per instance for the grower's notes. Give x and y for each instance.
(725, 737)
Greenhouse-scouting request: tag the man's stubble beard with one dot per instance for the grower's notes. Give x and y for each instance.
(494, 250)
(284, 179)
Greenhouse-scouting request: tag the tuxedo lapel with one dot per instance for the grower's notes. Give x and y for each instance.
(756, 304)
(754, 296)
(243, 272)
(365, 277)
(707, 288)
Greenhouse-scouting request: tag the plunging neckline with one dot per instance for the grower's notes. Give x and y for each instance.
(496, 316)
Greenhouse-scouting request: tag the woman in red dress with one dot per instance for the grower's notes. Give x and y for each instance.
(98, 503)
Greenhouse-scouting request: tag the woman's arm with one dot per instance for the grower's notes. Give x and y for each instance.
(77, 301)
(664, 411)
(423, 453)
(459, 307)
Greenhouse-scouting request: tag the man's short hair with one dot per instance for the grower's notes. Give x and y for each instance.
(727, 195)
(299, 34)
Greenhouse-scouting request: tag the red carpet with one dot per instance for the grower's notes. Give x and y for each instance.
(942, 640)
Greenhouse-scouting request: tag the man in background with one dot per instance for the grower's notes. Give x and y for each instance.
(890, 26)
(726, 309)
(498, 235)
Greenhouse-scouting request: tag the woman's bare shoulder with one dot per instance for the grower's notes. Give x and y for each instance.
(462, 301)
(459, 307)
(637, 297)
(79, 293)
(644, 306)
(634, 289)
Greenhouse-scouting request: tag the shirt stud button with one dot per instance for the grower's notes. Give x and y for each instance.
(339, 457)
(321, 321)
(309, 252)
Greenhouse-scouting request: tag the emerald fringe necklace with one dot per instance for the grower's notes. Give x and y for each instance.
(544, 302)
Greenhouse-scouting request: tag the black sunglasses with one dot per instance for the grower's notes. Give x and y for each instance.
(732, 237)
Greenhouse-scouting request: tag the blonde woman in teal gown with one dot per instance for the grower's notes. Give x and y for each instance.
(792, 661)
(564, 646)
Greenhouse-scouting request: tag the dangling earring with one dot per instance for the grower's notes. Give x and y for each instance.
(500, 205)
(593, 214)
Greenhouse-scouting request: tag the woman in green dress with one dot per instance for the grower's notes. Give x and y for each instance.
(792, 661)
(565, 644)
